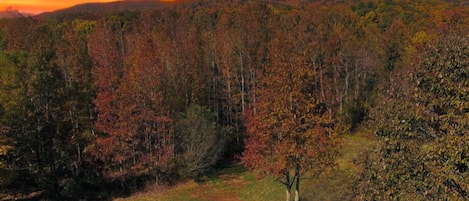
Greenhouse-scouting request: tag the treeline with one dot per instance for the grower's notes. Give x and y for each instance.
(95, 103)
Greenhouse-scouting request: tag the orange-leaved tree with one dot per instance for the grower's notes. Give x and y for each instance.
(290, 133)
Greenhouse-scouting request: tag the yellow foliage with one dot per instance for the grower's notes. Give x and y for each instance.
(421, 37)
(4, 149)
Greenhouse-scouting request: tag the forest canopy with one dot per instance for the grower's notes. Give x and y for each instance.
(104, 103)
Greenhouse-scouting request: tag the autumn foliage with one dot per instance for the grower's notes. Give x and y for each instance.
(137, 131)
(107, 102)
(290, 132)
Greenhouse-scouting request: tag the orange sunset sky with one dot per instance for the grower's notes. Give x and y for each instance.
(39, 6)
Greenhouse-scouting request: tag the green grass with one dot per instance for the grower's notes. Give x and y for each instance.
(235, 183)
(230, 184)
(353, 146)
(336, 184)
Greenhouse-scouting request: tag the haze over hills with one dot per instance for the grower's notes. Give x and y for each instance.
(10, 13)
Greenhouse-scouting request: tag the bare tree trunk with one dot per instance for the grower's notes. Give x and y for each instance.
(242, 83)
(347, 77)
(297, 195)
(253, 91)
(288, 184)
(357, 81)
(288, 194)
(297, 184)
(321, 83)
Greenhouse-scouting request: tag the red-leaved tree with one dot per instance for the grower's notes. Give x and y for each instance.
(137, 130)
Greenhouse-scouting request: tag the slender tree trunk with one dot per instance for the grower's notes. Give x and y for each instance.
(231, 118)
(297, 184)
(288, 184)
(253, 91)
(357, 81)
(297, 195)
(347, 77)
(321, 83)
(242, 83)
(338, 95)
(288, 191)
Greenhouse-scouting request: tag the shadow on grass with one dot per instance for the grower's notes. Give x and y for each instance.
(23, 185)
(223, 173)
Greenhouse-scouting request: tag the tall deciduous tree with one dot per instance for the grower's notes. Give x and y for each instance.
(241, 47)
(12, 102)
(290, 135)
(33, 116)
(137, 129)
(75, 65)
(43, 112)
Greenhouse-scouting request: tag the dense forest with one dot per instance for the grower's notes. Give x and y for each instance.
(106, 103)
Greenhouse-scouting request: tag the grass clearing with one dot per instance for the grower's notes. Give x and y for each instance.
(235, 183)
(337, 183)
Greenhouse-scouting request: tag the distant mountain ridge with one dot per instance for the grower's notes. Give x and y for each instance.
(111, 6)
(9, 14)
(117, 5)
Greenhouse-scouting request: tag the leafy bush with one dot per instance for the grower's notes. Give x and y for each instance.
(200, 143)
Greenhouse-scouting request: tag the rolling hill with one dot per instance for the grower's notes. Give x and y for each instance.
(111, 6)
